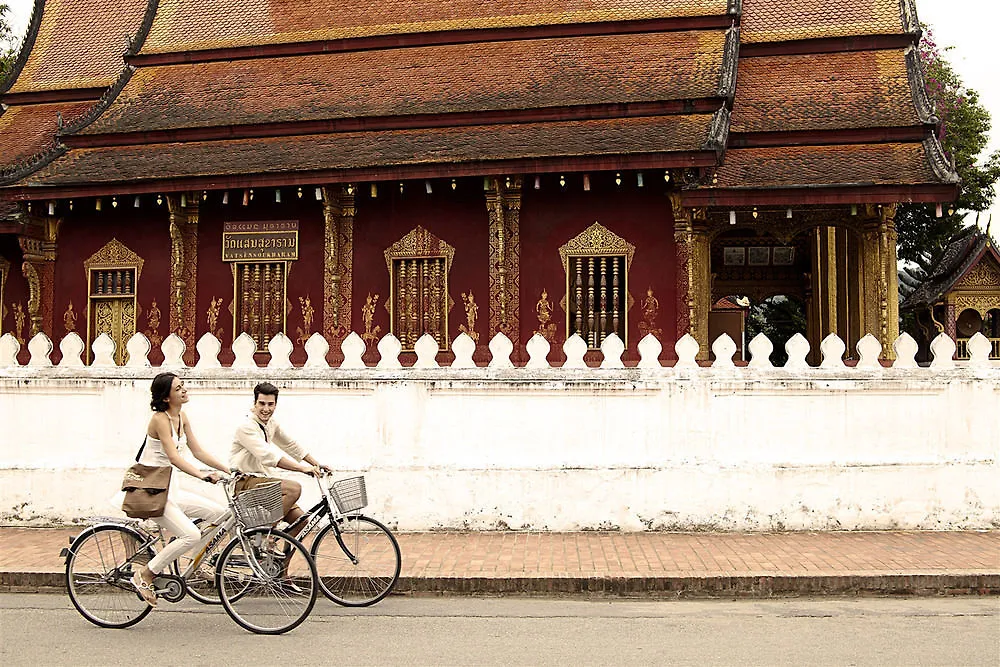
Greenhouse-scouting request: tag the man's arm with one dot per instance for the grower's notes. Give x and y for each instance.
(283, 440)
(250, 437)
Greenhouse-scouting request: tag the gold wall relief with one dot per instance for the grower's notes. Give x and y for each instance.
(305, 304)
(112, 274)
(69, 318)
(984, 275)
(38, 247)
(650, 313)
(543, 310)
(471, 313)
(212, 317)
(4, 269)
(419, 303)
(338, 260)
(503, 202)
(183, 315)
(18, 322)
(153, 324)
(371, 334)
(596, 264)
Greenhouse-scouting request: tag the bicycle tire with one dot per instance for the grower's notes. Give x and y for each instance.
(98, 574)
(372, 577)
(267, 581)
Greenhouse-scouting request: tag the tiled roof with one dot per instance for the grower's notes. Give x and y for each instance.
(785, 20)
(361, 150)
(855, 164)
(427, 80)
(80, 44)
(183, 25)
(28, 129)
(823, 91)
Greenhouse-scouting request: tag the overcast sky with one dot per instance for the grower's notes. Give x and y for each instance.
(966, 25)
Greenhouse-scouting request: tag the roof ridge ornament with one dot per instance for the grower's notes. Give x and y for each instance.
(718, 133)
(908, 17)
(34, 23)
(109, 96)
(922, 102)
(944, 168)
(735, 7)
(730, 60)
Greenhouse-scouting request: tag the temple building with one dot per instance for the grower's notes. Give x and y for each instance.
(587, 166)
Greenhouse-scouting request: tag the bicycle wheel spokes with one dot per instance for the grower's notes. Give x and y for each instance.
(98, 571)
(267, 581)
(200, 582)
(365, 569)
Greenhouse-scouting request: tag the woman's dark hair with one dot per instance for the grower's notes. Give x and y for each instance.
(160, 391)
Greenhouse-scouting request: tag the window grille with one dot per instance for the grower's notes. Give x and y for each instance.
(419, 298)
(597, 297)
(260, 301)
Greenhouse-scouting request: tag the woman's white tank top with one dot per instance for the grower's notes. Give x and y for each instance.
(153, 454)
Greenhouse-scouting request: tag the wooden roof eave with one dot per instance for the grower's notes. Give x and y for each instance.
(840, 194)
(23, 191)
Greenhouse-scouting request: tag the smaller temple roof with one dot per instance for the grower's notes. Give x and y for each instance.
(787, 20)
(28, 129)
(182, 25)
(964, 251)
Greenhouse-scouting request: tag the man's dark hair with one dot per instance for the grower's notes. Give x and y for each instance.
(160, 390)
(267, 389)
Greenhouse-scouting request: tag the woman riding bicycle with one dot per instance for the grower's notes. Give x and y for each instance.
(168, 436)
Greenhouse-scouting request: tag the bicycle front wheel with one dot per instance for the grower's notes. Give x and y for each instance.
(267, 581)
(361, 567)
(99, 570)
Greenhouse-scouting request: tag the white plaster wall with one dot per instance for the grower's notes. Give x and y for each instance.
(553, 449)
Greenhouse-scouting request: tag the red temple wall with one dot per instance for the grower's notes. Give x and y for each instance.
(457, 217)
(15, 291)
(144, 230)
(551, 216)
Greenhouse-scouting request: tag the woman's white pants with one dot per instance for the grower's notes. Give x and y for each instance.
(181, 507)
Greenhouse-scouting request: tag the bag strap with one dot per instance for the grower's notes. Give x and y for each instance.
(264, 431)
(141, 447)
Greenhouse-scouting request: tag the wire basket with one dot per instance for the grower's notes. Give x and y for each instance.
(260, 506)
(349, 494)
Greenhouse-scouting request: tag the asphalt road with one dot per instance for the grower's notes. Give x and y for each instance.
(37, 629)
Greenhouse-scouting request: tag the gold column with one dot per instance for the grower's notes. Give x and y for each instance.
(694, 273)
(338, 261)
(503, 201)
(184, 213)
(39, 248)
(881, 289)
(823, 318)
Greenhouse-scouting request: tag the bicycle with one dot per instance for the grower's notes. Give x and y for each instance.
(357, 558)
(265, 579)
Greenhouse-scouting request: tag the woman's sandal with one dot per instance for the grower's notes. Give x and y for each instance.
(147, 591)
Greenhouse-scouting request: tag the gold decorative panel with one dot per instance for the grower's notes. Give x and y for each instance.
(112, 285)
(419, 264)
(260, 300)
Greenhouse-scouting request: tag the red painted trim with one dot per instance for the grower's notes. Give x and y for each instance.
(829, 137)
(441, 38)
(416, 121)
(831, 194)
(827, 45)
(387, 173)
(47, 96)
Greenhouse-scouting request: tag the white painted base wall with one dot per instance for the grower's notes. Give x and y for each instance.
(553, 449)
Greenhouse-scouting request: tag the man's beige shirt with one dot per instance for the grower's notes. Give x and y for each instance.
(256, 454)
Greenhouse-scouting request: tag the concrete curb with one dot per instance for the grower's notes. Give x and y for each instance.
(756, 586)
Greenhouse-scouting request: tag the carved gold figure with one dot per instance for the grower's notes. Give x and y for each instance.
(213, 317)
(69, 318)
(153, 324)
(650, 311)
(19, 323)
(370, 336)
(471, 313)
(307, 319)
(546, 327)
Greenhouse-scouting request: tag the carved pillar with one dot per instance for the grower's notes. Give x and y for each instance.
(694, 273)
(338, 261)
(183, 316)
(503, 201)
(950, 321)
(881, 290)
(39, 247)
(824, 309)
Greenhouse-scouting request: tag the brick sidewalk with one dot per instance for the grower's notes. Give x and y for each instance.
(636, 563)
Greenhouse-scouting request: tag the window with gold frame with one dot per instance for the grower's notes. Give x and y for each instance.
(597, 300)
(112, 275)
(418, 265)
(261, 293)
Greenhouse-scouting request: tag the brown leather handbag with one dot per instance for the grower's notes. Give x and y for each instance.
(145, 489)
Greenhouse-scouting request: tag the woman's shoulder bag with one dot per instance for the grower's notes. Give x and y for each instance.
(145, 489)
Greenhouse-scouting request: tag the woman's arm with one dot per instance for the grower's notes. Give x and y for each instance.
(160, 425)
(200, 452)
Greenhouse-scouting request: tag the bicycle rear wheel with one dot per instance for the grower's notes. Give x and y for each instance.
(361, 568)
(99, 570)
(267, 581)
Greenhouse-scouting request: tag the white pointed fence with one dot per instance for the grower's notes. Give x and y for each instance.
(280, 348)
(590, 444)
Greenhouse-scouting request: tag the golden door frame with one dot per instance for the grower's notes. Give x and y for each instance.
(115, 255)
(597, 241)
(420, 244)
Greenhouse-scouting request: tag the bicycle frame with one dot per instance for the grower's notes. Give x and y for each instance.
(314, 517)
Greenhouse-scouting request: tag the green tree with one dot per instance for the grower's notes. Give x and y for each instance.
(6, 42)
(779, 318)
(964, 130)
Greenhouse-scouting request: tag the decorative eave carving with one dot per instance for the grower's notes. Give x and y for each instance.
(718, 133)
(918, 88)
(33, 163)
(417, 244)
(113, 255)
(730, 60)
(597, 240)
(109, 96)
(134, 44)
(735, 7)
(34, 23)
(908, 17)
(943, 167)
